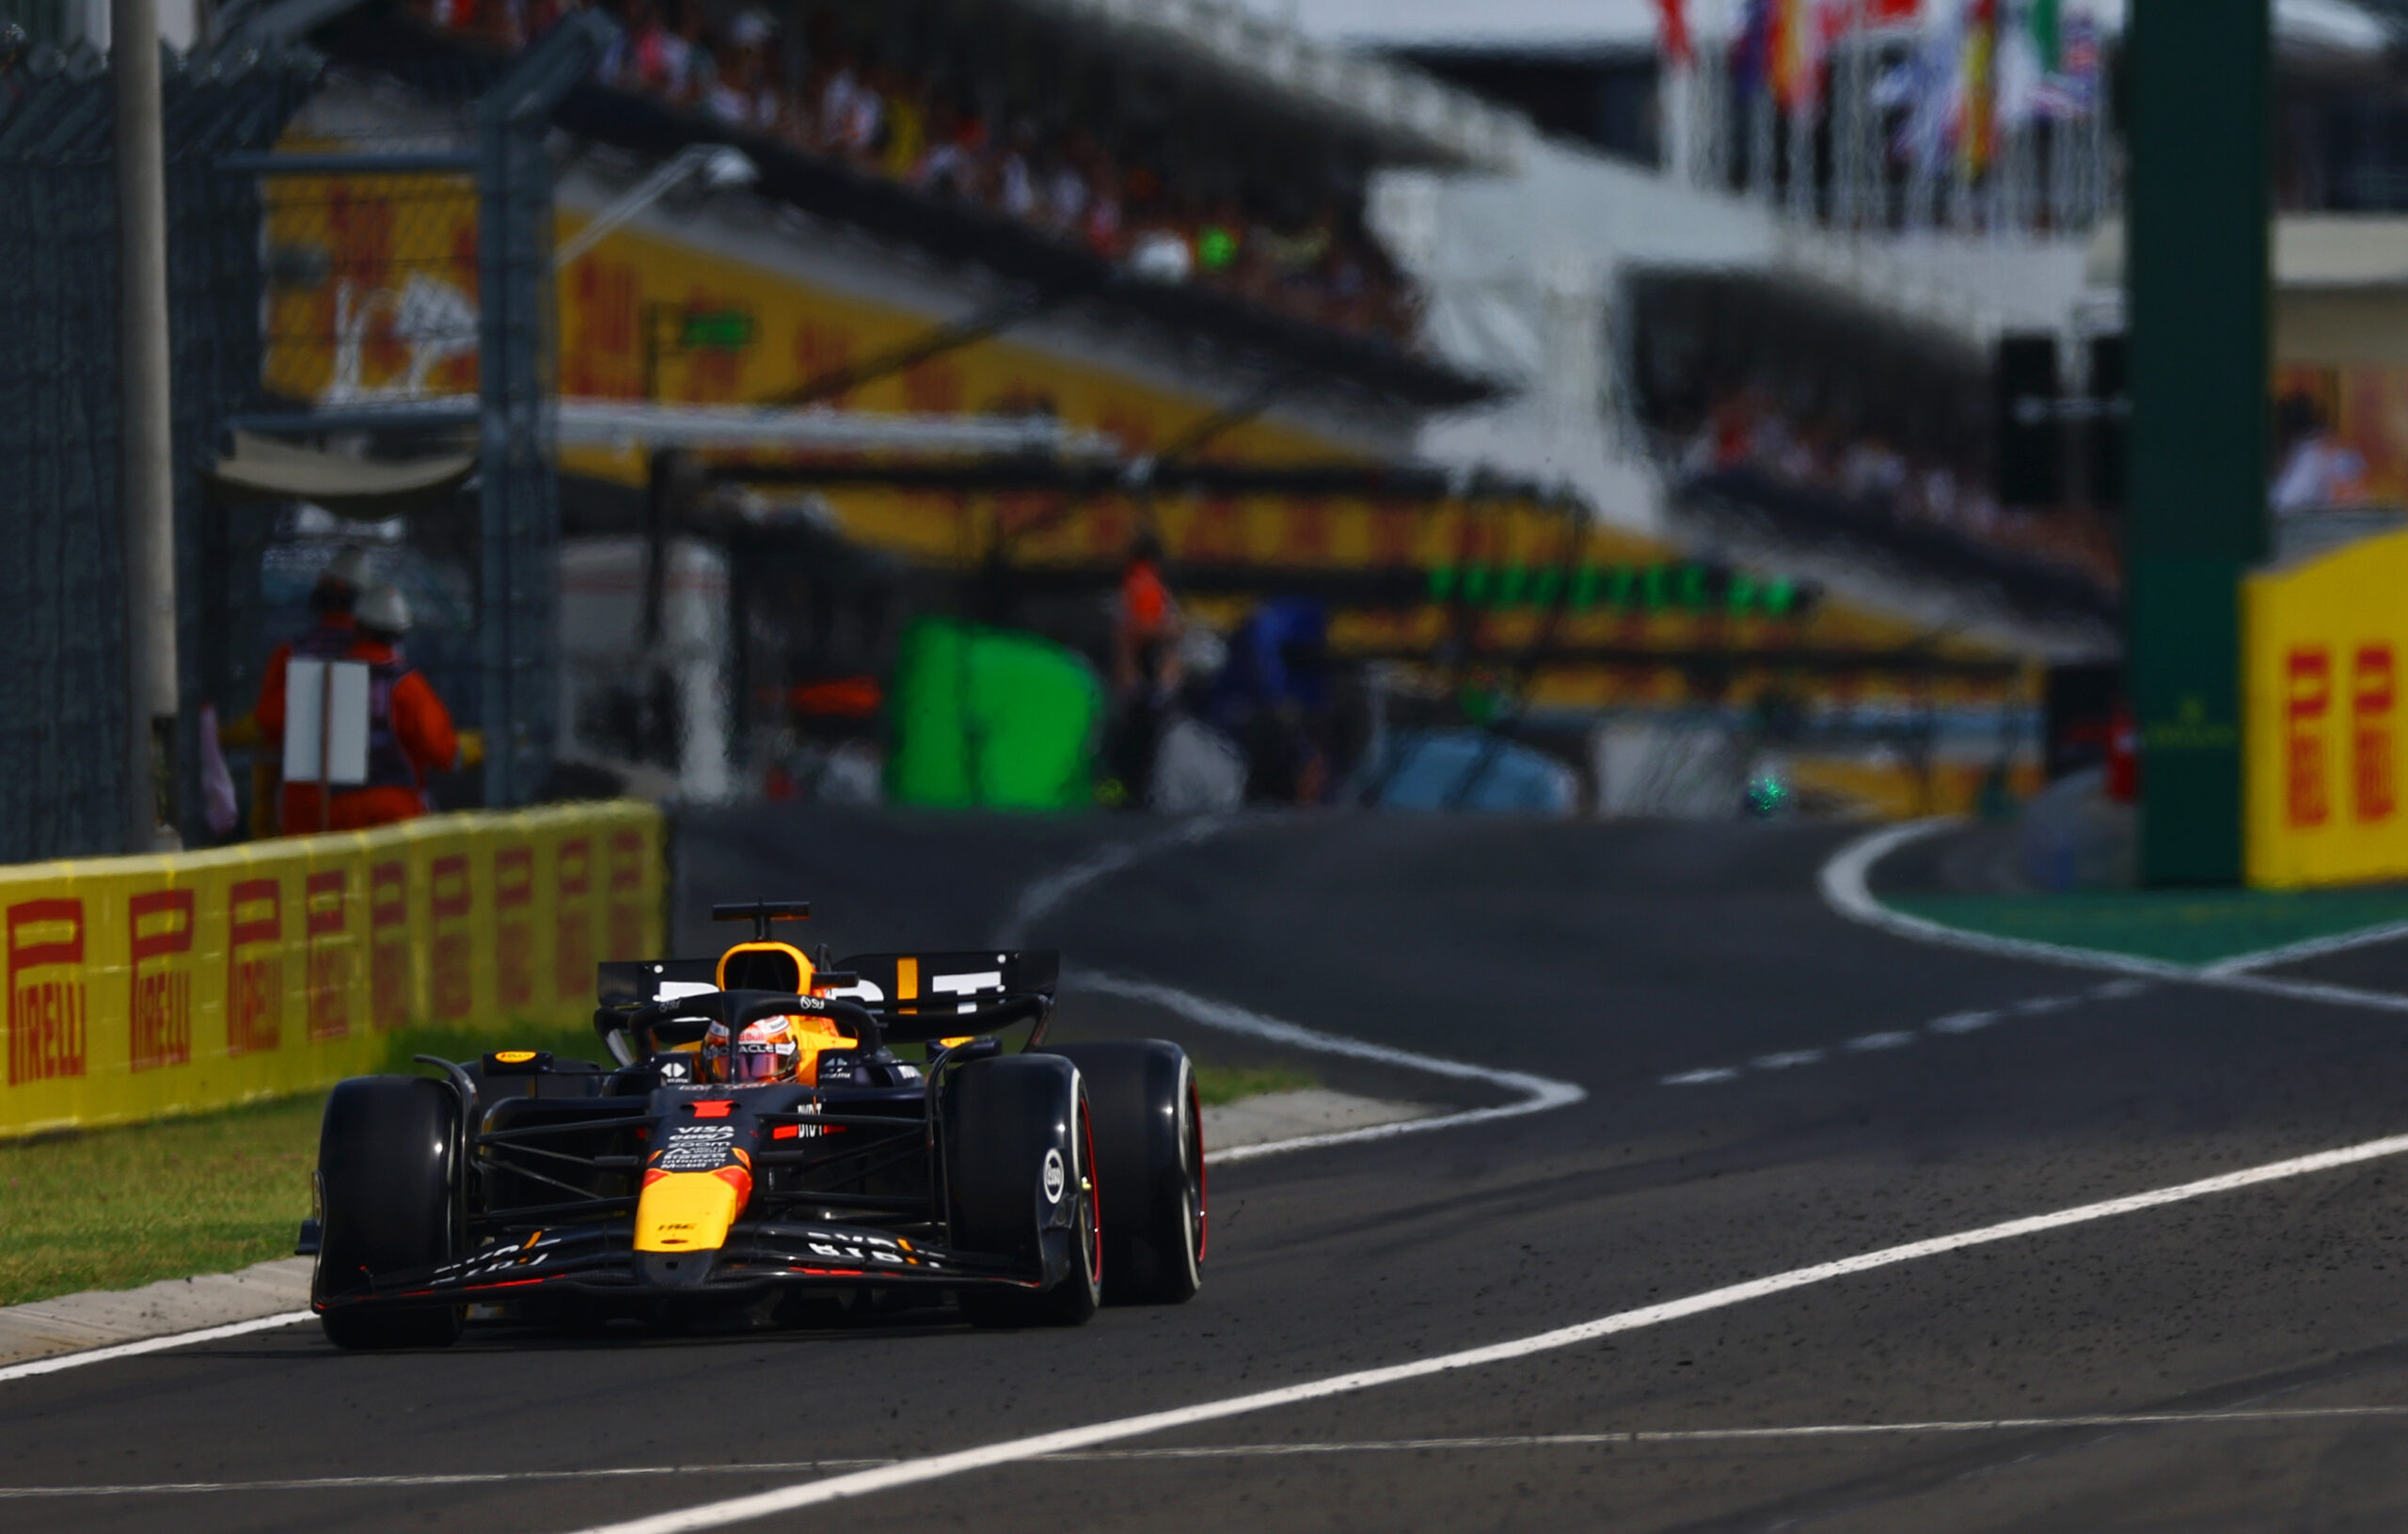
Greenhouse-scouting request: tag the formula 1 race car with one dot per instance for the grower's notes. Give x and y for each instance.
(758, 1147)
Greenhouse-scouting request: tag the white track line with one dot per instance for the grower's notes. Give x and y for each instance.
(1538, 1094)
(1955, 1024)
(2303, 990)
(2305, 1416)
(1020, 1450)
(1846, 889)
(1710, 1076)
(1628, 1437)
(2291, 953)
(1844, 886)
(151, 1344)
(465, 1477)
(2302, 1415)
(1039, 898)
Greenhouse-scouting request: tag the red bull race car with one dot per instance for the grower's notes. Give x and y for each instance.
(757, 1147)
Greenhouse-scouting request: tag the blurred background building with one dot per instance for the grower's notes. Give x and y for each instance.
(1625, 406)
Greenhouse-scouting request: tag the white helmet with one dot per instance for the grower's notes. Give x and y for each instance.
(348, 568)
(384, 610)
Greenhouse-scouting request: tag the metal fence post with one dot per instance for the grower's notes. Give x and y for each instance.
(146, 447)
(520, 508)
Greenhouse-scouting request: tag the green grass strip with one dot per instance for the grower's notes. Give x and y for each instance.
(1217, 1086)
(2176, 926)
(116, 1209)
(121, 1207)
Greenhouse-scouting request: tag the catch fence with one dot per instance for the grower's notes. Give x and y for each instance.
(62, 649)
(378, 310)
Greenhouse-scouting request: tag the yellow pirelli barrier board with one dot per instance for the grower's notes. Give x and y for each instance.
(142, 987)
(2323, 644)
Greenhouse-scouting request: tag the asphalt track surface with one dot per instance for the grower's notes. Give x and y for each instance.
(1766, 1090)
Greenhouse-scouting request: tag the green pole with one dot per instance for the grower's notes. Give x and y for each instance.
(2197, 77)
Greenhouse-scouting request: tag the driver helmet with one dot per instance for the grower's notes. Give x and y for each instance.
(763, 1051)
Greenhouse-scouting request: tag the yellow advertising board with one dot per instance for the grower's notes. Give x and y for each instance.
(389, 312)
(619, 303)
(142, 987)
(2322, 647)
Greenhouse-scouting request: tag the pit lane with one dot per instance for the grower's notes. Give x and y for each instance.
(1614, 957)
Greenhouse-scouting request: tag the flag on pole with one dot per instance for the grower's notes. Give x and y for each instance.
(1793, 62)
(2071, 90)
(1752, 49)
(2030, 63)
(1803, 36)
(2043, 23)
(1674, 32)
(1929, 87)
(1976, 90)
(2081, 44)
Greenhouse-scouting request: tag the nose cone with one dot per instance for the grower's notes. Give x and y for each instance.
(690, 1211)
(675, 1270)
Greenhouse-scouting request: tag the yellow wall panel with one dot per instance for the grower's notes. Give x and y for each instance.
(140, 986)
(2321, 652)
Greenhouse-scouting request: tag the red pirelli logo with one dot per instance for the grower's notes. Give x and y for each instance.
(514, 945)
(2307, 699)
(573, 923)
(159, 925)
(254, 967)
(450, 902)
(328, 925)
(46, 1002)
(627, 895)
(2374, 693)
(388, 945)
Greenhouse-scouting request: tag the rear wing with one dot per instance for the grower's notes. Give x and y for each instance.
(956, 982)
(628, 982)
(915, 997)
(945, 995)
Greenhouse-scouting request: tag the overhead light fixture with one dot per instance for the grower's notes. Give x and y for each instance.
(721, 167)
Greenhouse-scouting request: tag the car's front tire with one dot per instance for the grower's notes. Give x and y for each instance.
(1020, 1160)
(1149, 1143)
(388, 1186)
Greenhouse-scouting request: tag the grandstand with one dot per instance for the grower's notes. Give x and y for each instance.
(1343, 328)
(869, 312)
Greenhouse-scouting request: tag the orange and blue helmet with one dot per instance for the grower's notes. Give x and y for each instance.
(781, 1049)
(764, 1050)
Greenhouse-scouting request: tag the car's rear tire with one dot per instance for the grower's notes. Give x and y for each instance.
(1149, 1143)
(388, 1185)
(1007, 1119)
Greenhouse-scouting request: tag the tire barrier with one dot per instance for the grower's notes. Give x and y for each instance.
(145, 987)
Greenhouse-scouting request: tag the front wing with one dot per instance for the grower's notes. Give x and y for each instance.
(598, 1262)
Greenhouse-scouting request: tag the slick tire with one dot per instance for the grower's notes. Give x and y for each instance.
(1149, 1143)
(1013, 1124)
(387, 1183)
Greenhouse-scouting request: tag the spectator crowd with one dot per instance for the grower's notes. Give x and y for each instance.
(1746, 430)
(747, 73)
